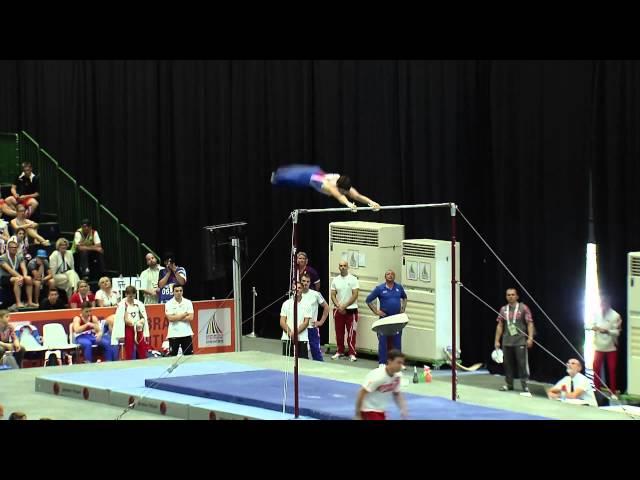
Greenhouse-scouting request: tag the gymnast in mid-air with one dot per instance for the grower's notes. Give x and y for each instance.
(333, 184)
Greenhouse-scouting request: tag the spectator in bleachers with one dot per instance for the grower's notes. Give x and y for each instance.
(86, 328)
(169, 276)
(131, 324)
(4, 236)
(9, 342)
(22, 240)
(106, 297)
(31, 227)
(13, 274)
(41, 274)
(88, 246)
(24, 191)
(53, 301)
(4, 208)
(149, 279)
(82, 295)
(62, 265)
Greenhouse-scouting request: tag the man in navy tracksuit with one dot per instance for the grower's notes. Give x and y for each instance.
(392, 300)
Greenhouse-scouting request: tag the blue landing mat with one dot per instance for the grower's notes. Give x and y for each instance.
(319, 398)
(135, 377)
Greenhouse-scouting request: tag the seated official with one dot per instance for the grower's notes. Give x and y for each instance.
(575, 385)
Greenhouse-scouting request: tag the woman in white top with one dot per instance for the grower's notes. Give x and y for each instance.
(31, 227)
(131, 324)
(62, 266)
(105, 297)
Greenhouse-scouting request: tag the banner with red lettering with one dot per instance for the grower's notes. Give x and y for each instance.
(213, 325)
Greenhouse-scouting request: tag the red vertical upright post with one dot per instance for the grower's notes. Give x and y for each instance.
(454, 346)
(296, 406)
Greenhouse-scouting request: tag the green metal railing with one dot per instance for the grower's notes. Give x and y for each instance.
(60, 192)
(68, 217)
(48, 171)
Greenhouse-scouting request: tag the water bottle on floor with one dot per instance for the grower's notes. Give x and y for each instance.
(415, 375)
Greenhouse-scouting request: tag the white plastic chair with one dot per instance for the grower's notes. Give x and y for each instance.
(55, 338)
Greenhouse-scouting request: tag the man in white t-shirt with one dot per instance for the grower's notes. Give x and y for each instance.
(575, 385)
(607, 327)
(286, 323)
(149, 279)
(313, 299)
(179, 312)
(378, 388)
(344, 295)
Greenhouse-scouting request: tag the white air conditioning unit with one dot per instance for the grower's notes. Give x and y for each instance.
(371, 249)
(633, 317)
(426, 278)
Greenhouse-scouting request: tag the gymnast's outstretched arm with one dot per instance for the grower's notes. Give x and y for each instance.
(335, 193)
(354, 194)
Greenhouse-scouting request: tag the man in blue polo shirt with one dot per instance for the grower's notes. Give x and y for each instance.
(392, 300)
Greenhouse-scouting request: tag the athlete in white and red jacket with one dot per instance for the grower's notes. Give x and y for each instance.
(380, 385)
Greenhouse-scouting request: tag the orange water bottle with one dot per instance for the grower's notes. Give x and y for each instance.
(427, 374)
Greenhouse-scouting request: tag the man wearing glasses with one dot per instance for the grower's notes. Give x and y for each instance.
(575, 385)
(13, 274)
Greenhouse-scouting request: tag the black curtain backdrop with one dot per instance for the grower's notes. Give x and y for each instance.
(171, 146)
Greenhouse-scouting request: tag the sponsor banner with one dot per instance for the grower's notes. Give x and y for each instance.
(215, 328)
(213, 325)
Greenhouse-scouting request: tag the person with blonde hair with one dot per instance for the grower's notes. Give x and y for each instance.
(106, 297)
(83, 294)
(63, 267)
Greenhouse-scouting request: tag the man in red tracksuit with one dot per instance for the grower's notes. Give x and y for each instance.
(344, 295)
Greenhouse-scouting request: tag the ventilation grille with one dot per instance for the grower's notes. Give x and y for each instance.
(635, 341)
(417, 250)
(635, 267)
(355, 236)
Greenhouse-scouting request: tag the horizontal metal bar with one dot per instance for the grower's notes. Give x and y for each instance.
(383, 207)
(224, 225)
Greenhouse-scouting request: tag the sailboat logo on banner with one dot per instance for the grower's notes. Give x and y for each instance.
(215, 335)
